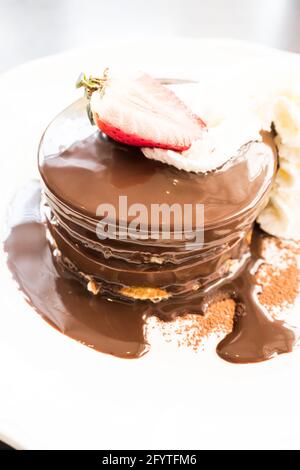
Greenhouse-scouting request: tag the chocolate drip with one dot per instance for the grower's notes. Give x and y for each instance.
(118, 328)
(254, 337)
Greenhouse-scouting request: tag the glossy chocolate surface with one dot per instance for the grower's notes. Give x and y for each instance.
(84, 173)
(80, 169)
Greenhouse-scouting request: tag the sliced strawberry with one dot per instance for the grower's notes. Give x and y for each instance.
(142, 112)
(134, 139)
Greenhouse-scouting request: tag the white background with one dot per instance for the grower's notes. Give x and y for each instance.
(33, 28)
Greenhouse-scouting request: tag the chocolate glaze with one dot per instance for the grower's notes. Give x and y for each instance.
(84, 173)
(81, 169)
(116, 327)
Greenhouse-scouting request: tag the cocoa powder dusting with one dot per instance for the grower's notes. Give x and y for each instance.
(282, 287)
(190, 330)
(278, 277)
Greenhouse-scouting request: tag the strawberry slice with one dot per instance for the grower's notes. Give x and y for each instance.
(140, 111)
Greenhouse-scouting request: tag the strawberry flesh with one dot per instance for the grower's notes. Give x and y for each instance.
(132, 139)
(144, 113)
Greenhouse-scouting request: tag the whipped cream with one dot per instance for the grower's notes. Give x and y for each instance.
(287, 120)
(218, 144)
(231, 123)
(235, 113)
(281, 217)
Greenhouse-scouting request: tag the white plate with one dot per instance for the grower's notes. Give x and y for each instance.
(56, 393)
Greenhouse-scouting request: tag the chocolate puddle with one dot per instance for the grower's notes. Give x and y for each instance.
(254, 337)
(116, 327)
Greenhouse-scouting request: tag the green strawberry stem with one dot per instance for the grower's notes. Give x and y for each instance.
(91, 84)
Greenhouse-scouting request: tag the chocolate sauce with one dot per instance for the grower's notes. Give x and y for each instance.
(81, 169)
(110, 327)
(116, 327)
(254, 337)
